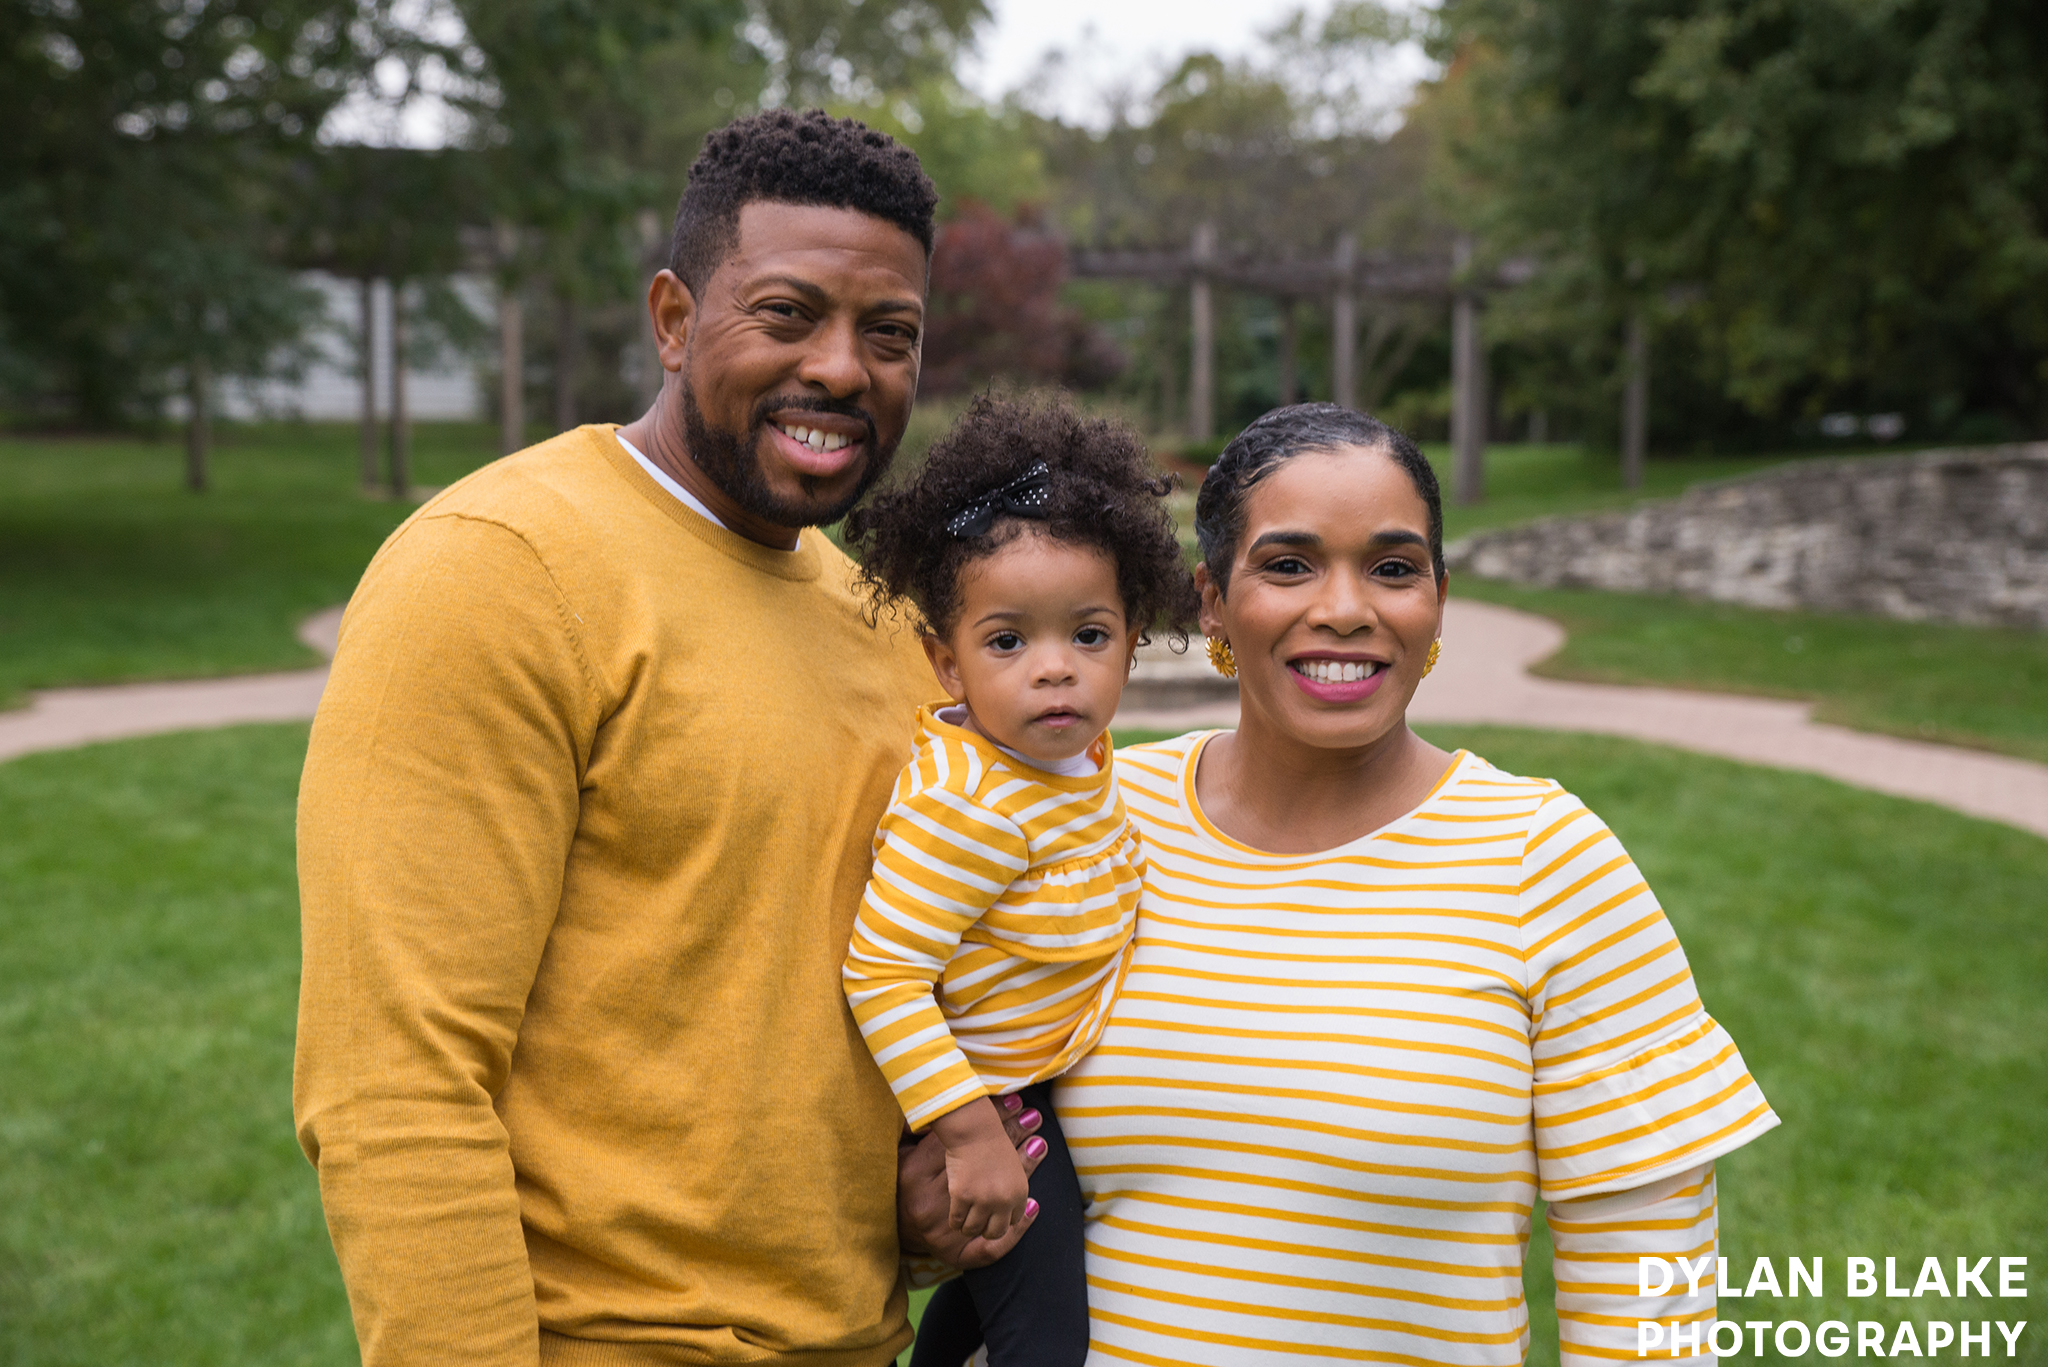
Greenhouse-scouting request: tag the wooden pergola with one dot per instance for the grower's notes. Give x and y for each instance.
(1339, 281)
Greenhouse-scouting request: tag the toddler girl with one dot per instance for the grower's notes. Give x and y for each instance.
(1036, 548)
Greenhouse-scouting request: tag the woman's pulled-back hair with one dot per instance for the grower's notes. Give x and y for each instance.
(1281, 435)
(1100, 491)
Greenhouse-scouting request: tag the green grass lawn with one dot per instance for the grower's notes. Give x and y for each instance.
(154, 1206)
(110, 570)
(1880, 963)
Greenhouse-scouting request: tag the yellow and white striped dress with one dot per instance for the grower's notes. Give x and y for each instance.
(997, 921)
(1333, 1084)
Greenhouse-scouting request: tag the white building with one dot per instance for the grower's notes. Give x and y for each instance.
(450, 387)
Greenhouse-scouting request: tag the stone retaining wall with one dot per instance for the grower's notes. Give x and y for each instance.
(1957, 535)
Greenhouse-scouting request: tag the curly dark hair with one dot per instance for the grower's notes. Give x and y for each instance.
(807, 158)
(1102, 492)
(1293, 431)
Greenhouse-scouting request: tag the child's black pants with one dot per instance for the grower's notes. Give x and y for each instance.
(1031, 1305)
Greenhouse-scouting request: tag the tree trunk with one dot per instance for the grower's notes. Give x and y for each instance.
(512, 365)
(1635, 403)
(568, 343)
(1202, 338)
(1290, 347)
(401, 421)
(366, 296)
(198, 424)
(1169, 395)
(1384, 363)
(1344, 327)
(1468, 389)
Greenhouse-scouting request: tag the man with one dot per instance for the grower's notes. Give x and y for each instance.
(587, 815)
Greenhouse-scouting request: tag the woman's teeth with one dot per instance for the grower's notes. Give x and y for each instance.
(1337, 671)
(816, 440)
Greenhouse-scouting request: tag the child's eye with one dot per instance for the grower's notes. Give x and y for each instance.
(1006, 641)
(1091, 636)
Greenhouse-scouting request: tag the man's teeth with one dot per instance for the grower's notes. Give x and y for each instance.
(1338, 671)
(816, 440)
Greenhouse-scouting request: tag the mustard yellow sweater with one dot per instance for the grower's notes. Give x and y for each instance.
(583, 829)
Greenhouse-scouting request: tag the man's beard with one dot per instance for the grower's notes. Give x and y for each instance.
(732, 461)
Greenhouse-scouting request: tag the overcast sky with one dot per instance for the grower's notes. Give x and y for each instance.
(1111, 42)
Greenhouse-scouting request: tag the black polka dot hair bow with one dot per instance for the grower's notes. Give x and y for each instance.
(1024, 496)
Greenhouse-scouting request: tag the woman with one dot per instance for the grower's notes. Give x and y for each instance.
(1383, 996)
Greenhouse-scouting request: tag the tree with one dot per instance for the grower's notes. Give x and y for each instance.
(589, 112)
(995, 309)
(1820, 202)
(1284, 153)
(137, 193)
(386, 213)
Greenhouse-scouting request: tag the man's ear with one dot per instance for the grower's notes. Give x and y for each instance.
(946, 665)
(673, 310)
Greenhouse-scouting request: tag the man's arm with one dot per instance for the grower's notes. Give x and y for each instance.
(435, 818)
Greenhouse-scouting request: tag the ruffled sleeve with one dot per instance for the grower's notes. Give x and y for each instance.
(1634, 1081)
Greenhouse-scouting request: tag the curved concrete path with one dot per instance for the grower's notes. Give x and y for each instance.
(1483, 679)
(59, 718)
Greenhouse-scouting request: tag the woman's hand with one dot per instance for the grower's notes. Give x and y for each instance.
(925, 1198)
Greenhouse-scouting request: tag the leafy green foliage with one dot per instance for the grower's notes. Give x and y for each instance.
(138, 188)
(821, 51)
(1819, 203)
(974, 153)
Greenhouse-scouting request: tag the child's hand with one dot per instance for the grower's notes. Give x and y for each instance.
(983, 1173)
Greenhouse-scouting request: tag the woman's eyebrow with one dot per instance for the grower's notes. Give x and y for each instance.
(1308, 539)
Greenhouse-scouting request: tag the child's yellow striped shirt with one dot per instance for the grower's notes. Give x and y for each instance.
(996, 924)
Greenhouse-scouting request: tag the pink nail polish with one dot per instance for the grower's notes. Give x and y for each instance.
(1029, 1118)
(1012, 1102)
(1035, 1147)
(1030, 1207)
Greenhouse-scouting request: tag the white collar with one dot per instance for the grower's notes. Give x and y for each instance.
(661, 477)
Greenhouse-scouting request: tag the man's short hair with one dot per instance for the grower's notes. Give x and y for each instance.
(794, 158)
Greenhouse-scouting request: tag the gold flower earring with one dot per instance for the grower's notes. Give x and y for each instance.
(1436, 648)
(1221, 658)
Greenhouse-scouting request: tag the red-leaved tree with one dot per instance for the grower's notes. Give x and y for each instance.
(995, 311)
